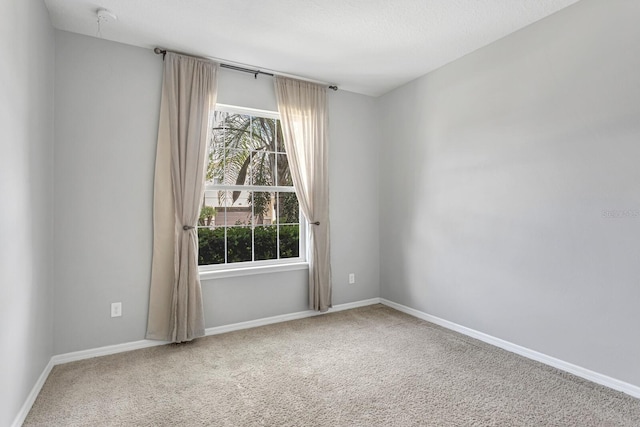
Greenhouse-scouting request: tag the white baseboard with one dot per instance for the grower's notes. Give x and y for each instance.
(357, 304)
(136, 345)
(579, 371)
(33, 394)
(104, 351)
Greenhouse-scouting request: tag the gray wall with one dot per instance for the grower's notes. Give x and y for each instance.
(107, 98)
(26, 171)
(106, 110)
(499, 174)
(353, 155)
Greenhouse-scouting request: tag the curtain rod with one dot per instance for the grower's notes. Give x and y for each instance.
(255, 73)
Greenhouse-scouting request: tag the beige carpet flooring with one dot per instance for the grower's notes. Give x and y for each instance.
(371, 366)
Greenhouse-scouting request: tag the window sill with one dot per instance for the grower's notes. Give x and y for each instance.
(248, 271)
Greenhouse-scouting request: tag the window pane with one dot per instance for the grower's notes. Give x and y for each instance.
(263, 167)
(215, 167)
(211, 200)
(237, 208)
(237, 167)
(239, 244)
(219, 128)
(288, 209)
(266, 242)
(211, 245)
(283, 172)
(289, 229)
(211, 239)
(264, 133)
(289, 241)
(279, 138)
(207, 216)
(215, 162)
(263, 207)
(238, 132)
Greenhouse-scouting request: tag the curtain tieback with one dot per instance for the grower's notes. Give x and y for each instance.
(187, 227)
(315, 223)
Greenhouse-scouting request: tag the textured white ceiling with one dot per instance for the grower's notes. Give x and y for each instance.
(364, 46)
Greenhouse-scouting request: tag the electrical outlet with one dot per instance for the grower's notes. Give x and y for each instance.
(116, 309)
(352, 278)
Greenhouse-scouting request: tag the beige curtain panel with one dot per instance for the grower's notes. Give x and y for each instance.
(188, 96)
(303, 113)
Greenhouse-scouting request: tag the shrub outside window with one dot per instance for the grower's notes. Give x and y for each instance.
(250, 213)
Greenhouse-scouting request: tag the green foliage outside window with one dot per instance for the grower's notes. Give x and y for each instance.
(239, 243)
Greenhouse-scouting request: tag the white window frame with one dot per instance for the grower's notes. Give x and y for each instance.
(262, 266)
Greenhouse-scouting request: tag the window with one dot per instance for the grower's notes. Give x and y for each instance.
(250, 212)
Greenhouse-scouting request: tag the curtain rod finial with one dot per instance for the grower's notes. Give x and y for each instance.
(159, 51)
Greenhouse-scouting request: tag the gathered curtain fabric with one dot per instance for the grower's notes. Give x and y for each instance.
(303, 114)
(189, 91)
